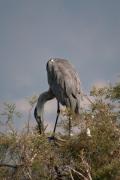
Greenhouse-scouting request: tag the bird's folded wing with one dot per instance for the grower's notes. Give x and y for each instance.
(63, 78)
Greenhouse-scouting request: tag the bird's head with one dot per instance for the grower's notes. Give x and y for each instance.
(39, 120)
(39, 109)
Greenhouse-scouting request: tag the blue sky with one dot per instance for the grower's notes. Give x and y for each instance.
(86, 32)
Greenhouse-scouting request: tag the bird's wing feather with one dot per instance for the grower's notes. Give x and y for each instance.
(63, 80)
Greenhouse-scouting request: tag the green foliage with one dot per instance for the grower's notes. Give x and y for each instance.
(111, 91)
(115, 91)
(9, 111)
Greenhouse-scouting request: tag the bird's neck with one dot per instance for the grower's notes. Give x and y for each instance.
(43, 98)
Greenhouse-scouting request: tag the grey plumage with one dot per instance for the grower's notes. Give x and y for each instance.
(64, 85)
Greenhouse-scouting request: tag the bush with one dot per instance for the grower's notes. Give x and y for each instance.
(29, 155)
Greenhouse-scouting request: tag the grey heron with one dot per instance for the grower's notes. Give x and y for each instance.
(64, 85)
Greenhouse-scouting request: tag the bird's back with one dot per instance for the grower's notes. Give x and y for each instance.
(64, 83)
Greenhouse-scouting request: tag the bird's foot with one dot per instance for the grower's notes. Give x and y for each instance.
(52, 138)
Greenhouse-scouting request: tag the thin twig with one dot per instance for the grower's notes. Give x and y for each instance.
(10, 165)
(71, 174)
(87, 167)
(88, 98)
(78, 173)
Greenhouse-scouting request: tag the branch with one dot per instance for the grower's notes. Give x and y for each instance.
(78, 173)
(71, 174)
(10, 165)
(87, 167)
(88, 98)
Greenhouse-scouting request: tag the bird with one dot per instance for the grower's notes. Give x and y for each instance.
(64, 85)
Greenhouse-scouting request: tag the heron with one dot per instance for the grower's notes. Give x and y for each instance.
(64, 85)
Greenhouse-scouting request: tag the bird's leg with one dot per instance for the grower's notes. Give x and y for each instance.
(58, 113)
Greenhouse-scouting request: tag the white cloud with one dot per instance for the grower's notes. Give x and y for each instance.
(100, 84)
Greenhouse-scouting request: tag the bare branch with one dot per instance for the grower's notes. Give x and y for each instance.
(10, 165)
(71, 174)
(77, 173)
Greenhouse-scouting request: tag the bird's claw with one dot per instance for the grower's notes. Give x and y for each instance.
(52, 138)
